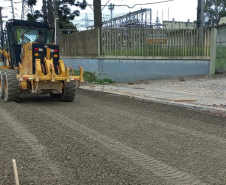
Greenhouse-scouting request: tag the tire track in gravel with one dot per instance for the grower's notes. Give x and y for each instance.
(31, 140)
(122, 113)
(192, 132)
(162, 170)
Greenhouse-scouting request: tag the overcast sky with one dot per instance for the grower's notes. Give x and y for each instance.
(180, 10)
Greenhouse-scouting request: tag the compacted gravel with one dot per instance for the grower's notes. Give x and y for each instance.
(107, 139)
(204, 85)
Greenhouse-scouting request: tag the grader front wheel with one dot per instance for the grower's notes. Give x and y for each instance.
(11, 86)
(2, 84)
(68, 94)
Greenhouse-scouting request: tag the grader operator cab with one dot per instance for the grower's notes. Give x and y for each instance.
(33, 64)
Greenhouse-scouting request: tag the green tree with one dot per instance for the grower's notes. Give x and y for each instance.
(66, 15)
(213, 11)
(35, 16)
(64, 12)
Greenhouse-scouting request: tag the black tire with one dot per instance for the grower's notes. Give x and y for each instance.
(68, 94)
(11, 86)
(2, 84)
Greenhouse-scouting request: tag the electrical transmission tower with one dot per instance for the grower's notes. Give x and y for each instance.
(26, 9)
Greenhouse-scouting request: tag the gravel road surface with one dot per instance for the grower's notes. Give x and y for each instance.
(108, 139)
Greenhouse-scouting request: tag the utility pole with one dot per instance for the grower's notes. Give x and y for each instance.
(98, 22)
(111, 8)
(53, 19)
(200, 13)
(1, 33)
(12, 9)
(97, 14)
(50, 8)
(44, 10)
(56, 22)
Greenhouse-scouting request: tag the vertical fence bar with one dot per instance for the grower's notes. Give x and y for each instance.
(102, 40)
(139, 43)
(200, 38)
(178, 42)
(157, 41)
(107, 34)
(114, 40)
(208, 41)
(169, 43)
(150, 46)
(163, 42)
(142, 39)
(126, 35)
(192, 42)
(177, 39)
(159, 46)
(121, 41)
(186, 42)
(68, 48)
(135, 41)
(174, 42)
(204, 42)
(172, 47)
(131, 41)
(189, 42)
(183, 42)
(152, 41)
(196, 42)
(160, 42)
(128, 41)
(109, 41)
(145, 41)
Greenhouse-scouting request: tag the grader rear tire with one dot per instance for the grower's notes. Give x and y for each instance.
(2, 84)
(11, 86)
(68, 94)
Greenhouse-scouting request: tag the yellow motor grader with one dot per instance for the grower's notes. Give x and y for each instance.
(33, 63)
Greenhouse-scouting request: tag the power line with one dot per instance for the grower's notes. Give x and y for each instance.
(136, 4)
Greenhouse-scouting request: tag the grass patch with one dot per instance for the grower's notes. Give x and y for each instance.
(91, 78)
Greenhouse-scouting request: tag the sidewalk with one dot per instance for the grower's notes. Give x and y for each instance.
(206, 93)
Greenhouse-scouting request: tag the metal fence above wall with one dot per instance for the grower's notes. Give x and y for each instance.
(155, 42)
